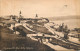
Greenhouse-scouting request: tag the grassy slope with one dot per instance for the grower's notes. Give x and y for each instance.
(11, 40)
(41, 29)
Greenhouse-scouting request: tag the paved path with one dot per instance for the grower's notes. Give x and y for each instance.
(56, 47)
(27, 28)
(60, 34)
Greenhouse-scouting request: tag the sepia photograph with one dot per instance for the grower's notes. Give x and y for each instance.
(39, 25)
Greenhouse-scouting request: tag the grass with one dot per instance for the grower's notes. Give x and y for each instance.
(41, 29)
(9, 40)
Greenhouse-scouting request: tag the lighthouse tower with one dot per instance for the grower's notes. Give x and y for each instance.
(36, 15)
(20, 17)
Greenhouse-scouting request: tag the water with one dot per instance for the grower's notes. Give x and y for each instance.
(71, 23)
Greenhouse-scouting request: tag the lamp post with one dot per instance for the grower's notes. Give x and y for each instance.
(14, 28)
(0, 34)
(79, 36)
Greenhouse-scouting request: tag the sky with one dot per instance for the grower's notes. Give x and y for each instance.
(44, 8)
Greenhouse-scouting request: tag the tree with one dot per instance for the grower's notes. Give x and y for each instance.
(66, 27)
(61, 27)
(66, 32)
(3, 24)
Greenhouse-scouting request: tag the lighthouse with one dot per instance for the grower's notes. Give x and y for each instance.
(20, 17)
(36, 15)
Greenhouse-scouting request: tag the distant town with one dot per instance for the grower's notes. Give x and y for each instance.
(36, 34)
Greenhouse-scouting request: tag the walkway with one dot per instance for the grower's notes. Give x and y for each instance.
(56, 47)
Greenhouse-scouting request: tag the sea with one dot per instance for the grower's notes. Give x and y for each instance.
(71, 23)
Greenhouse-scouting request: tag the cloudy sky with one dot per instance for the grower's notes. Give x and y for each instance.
(44, 8)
